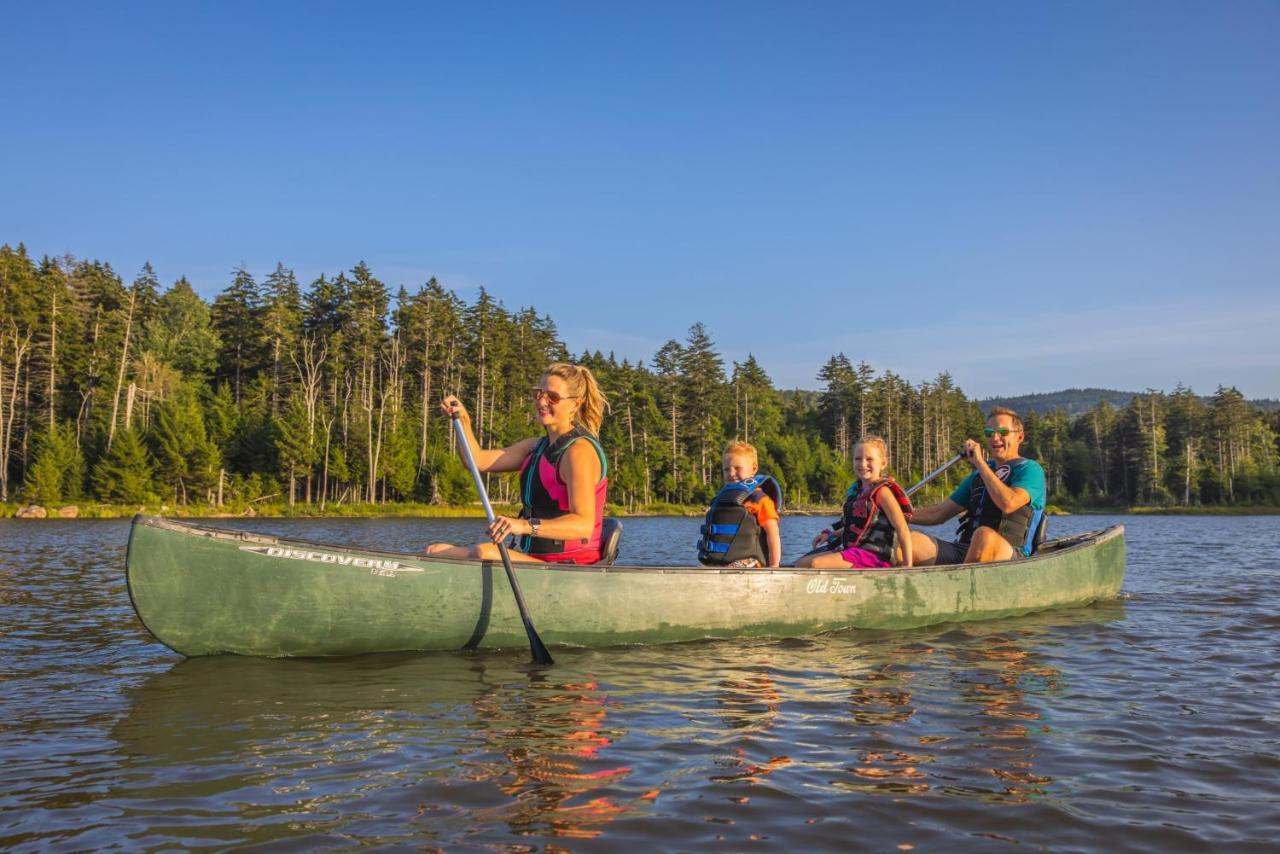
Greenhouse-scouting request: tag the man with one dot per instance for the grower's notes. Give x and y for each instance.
(1004, 500)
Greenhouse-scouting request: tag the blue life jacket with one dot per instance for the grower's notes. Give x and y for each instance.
(730, 532)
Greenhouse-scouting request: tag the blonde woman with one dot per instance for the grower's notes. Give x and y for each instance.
(563, 481)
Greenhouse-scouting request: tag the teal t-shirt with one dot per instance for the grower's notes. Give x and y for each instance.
(1026, 474)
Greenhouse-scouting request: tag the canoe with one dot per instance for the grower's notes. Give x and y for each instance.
(204, 591)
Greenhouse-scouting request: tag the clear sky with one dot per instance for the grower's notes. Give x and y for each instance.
(1033, 196)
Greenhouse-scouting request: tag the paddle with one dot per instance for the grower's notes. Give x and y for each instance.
(933, 475)
(536, 646)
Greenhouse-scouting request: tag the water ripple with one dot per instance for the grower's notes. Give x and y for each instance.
(1149, 722)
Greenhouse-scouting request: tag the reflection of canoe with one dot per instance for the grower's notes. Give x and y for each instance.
(202, 591)
(202, 709)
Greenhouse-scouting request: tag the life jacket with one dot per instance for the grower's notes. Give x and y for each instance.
(1018, 527)
(730, 531)
(546, 496)
(862, 523)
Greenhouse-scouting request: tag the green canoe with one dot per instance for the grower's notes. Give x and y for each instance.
(203, 591)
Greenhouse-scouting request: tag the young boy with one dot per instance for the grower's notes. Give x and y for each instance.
(741, 528)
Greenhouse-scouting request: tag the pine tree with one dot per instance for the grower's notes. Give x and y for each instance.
(180, 332)
(187, 460)
(236, 317)
(124, 474)
(57, 473)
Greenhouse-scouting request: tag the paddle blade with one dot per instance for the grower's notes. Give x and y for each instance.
(538, 648)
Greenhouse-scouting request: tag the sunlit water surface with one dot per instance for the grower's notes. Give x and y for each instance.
(1151, 722)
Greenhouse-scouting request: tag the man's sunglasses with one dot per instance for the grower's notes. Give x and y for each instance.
(1003, 431)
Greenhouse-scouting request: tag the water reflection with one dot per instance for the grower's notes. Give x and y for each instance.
(458, 744)
(983, 696)
(317, 739)
(1135, 724)
(553, 757)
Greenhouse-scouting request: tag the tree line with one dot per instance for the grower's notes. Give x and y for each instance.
(327, 394)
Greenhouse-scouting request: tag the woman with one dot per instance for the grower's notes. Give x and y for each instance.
(562, 481)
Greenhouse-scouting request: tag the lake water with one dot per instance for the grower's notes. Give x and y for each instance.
(1151, 722)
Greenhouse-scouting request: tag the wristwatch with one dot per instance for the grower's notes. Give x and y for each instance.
(534, 524)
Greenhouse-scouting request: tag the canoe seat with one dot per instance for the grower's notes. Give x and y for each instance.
(1037, 540)
(610, 539)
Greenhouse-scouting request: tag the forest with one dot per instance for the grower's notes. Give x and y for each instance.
(325, 396)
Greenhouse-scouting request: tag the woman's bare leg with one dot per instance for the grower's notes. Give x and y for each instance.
(480, 551)
(448, 550)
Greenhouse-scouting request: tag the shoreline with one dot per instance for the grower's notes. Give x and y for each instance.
(429, 511)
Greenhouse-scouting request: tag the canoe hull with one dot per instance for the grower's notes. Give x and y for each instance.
(204, 591)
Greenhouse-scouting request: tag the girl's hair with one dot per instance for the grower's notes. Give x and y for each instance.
(876, 442)
(583, 386)
(742, 449)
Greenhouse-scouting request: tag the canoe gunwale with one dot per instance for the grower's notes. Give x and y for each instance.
(1049, 551)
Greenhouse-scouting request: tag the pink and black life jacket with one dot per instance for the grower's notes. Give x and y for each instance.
(862, 523)
(546, 496)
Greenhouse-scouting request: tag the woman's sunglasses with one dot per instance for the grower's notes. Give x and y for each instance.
(553, 397)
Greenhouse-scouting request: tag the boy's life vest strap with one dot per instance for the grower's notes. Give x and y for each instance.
(743, 490)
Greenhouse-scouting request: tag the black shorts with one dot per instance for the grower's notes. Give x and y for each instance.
(948, 551)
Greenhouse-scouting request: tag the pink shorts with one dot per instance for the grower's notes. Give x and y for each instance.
(860, 558)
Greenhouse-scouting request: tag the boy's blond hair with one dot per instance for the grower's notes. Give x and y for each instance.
(741, 449)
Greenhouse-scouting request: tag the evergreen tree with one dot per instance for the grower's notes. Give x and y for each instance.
(187, 461)
(237, 321)
(57, 474)
(294, 445)
(180, 332)
(123, 475)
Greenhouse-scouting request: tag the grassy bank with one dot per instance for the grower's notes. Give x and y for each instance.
(262, 509)
(266, 510)
(436, 511)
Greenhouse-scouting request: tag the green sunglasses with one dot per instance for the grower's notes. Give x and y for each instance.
(991, 431)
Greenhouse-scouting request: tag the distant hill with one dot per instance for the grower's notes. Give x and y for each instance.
(1074, 400)
(1079, 400)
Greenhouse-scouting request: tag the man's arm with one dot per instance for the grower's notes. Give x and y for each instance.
(1007, 498)
(936, 514)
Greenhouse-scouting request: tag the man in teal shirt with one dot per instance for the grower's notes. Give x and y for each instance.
(1004, 500)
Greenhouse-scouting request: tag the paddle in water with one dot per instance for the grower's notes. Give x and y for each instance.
(931, 476)
(536, 646)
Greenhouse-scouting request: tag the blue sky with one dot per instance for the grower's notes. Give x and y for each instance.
(1032, 196)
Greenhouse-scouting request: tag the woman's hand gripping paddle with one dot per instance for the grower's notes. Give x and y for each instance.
(536, 646)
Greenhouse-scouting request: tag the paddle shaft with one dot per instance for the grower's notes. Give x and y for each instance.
(536, 646)
(933, 475)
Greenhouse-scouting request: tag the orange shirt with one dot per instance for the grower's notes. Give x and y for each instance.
(764, 510)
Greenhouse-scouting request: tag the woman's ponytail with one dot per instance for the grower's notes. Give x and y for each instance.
(582, 385)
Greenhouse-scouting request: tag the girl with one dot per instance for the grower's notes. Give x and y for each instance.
(872, 532)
